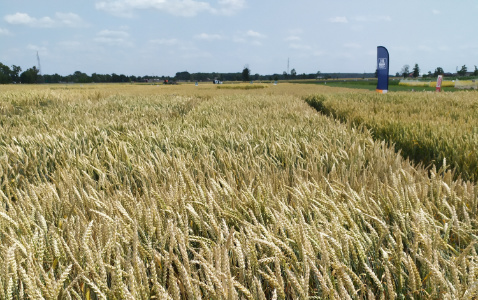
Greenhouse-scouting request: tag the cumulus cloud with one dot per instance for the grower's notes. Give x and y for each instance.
(252, 37)
(25, 19)
(113, 37)
(208, 37)
(69, 19)
(338, 20)
(60, 19)
(184, 8)
(254, 34)
(230, 7)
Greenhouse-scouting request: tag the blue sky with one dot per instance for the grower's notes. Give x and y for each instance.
(162, 37)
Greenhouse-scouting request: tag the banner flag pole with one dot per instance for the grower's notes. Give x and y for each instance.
(382, 69)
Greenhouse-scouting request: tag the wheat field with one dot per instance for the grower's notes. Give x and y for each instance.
(183, 192)
(427, 127)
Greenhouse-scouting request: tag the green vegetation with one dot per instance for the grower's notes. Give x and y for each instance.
(426, 127)
(184, 192)
(367, 84)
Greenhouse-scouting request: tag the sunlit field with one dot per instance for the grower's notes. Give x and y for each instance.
(426, 127)
(199, 192)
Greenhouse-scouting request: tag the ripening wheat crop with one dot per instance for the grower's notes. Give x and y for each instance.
(426, 127)
(140, 192)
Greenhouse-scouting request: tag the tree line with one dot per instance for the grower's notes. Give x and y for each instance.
(32, 75)
(14, 74)
(415, 72)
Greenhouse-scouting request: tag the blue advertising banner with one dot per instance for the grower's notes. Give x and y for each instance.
(382, 69)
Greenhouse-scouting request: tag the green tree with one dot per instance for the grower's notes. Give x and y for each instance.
(30, 75)
(463, 70)
(475, 73)
(115, 78)
(81, 77)
(55, 78)
(183, 75)
(438, 71)
(15, 73)
(5, 74)
(293, 73)
(246, 73)
(96, 78)
(416, 71)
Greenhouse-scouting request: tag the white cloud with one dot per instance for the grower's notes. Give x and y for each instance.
(254, 34)
(69, 19)
(60, 19)
(208, 37)
(4, 32)
(252, 37)
(436, 12)
(19, 18)
(25, 19)
(113, 38)
(230, 7)
(338, 20)
(184, 8)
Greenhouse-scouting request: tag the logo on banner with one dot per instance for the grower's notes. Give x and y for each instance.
(382, 63)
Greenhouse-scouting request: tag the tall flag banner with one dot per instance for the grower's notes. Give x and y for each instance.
(382, 69)
(439, 80)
